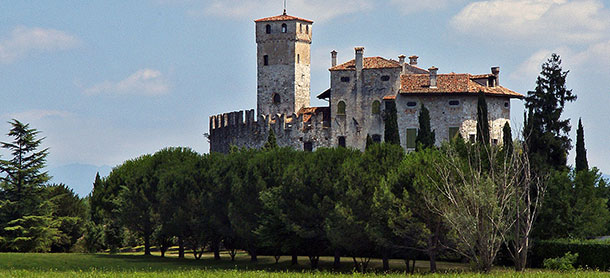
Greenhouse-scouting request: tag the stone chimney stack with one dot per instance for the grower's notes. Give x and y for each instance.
(333, 58)
(496, 72)
(359, 59)
(413, 60)
(433, 71)
(403, 65)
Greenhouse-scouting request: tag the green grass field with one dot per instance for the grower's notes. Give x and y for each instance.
(103, 265)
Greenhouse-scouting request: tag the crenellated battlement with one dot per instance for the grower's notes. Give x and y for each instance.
(242, 129)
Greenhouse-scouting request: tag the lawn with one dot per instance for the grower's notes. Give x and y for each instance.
(103, 265)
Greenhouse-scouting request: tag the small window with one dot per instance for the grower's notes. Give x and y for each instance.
(276, 99)
(344, 79)
(266, 60)
(308, 146)
(495, 141)
(341, 108)
(300, 28)
(411, 104)
(377, 138)
(376, 107)
(298, 58)
(342, 141)
(472, 137)
(268, 29)
(411, 135)
(454, 103)
(284, 28)
(307, 29)
(507, 104)
(385, 78)
(453, 132)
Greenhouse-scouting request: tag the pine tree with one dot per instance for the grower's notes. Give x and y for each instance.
(25, 215)
(391, 134)
(507, 138)
(581, 151)
(425, 136)
(546, 133)
(271, 141)
(482, 120)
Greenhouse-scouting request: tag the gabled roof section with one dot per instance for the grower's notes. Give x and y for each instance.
(451, 83)
(369, 63)
(283, 17)
(309, 112)
(325, 94)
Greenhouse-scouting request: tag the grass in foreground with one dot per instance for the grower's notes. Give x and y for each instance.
(100, 265)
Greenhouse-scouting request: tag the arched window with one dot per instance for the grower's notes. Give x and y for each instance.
(268, 29)
(276, 99)
(307, 29)
(376, 107)
(341, 108)
(300, 28)
(284, 28)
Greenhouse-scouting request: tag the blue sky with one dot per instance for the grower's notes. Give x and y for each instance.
(107, 81)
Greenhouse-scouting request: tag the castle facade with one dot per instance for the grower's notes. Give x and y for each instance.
(359, 92)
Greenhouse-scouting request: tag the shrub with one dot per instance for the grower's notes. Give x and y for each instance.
(591, 253)
(565, 263)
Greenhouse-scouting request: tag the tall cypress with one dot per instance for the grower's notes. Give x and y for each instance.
(581, 151)
(425, 136)
(482, 120)
(271, 141)
(507, 138)
(369, 141)
(391, 124)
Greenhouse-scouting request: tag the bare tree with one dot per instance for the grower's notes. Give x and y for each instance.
(482, 193)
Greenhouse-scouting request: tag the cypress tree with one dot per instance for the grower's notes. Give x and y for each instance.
(482, 120)
(425, 136)
(271, 141)
(369, 141)
(507, 138)
(391, 124)
(581, 152)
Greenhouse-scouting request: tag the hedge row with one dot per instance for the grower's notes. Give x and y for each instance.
(591, 253)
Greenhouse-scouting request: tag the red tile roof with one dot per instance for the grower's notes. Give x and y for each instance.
(451, 83)
(389, 97)
(308, 112)
(283, 17)
(369, 63)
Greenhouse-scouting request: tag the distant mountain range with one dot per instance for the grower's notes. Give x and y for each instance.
(79, 177)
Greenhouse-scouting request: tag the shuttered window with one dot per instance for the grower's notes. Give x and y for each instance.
(411, 135)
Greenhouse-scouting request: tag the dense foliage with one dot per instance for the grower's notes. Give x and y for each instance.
(593, 254)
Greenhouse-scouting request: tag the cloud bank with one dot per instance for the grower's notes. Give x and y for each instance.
(24, 41)
(148, 82)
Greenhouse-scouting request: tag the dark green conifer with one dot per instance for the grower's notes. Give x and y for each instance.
(507, 138)
(425, 136)
(581, 151)
(482, 120)
(271, 141)
(391, 134)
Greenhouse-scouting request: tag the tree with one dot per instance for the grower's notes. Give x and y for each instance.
(425, 136)
(545, 132)
(507, 139)
(581, 151)
(369, 141)
(271, 141)
(69, 215)
(590, 212)
(25, 216)
(482, 120)
(391, 134)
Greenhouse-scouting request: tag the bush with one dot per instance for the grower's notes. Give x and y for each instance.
(565, 263)
(591, 253)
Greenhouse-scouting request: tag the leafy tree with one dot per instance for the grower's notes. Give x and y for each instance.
(25, 216)
(581, 151)
(69, 214)
(590, 211)
(482, 120)
(545, 132)
(271, 141)
(425, 136)
(391, 134)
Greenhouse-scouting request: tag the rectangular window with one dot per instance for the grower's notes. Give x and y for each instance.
(411, 135)
(308, 146)
(453, 132)
(342, 141)
(266, 60)
(472, 137)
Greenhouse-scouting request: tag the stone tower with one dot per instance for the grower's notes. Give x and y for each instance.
(283, 60)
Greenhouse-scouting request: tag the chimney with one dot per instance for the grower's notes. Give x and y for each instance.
(333, 58)
(359, 59)
(433, 71)
(496, 72)
(413, 60)
(401, 59)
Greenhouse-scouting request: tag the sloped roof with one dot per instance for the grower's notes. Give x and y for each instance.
(283, 17)
(309, 112)
(369, 63)
(451, 83)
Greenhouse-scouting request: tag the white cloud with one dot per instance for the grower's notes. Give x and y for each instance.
(24, 41)
(413, 6)
(317, 10)
(143, 82)
(553, 21)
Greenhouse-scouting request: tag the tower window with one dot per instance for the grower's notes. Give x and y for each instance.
(300, 28)
(308, 146)
(284, 28)
(298, 58)
(341, 108)
(454, 103)
(344, 79)
(385, 78)
(268, 29)
(307, 29)
(375, 107)
(342, 141)
(411, 104)
(276, 99)
(266, 60)
(507, 105)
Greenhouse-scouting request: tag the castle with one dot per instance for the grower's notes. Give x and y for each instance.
(359, 92)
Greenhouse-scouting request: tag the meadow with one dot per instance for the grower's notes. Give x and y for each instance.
(130, 265)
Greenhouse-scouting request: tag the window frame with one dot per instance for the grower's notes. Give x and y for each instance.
(268, 29)
(411, 136)
(265, 60)
(455, 134)
(376, 107)
(459, 103)
(284, 28)
(341, 107)
(276, 99)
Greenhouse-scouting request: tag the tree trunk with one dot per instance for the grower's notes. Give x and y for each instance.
(232, 253)
(180, 248)
(277, 258)
(386, 260)
(432, 256)
(313, 261)
(253, 256)
(337, 262)
(147, 245)
(216, 249)
(295, 260)
(356, 265)
(413, 267)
